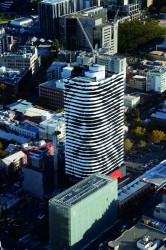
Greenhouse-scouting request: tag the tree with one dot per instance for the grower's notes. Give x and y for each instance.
(136, 113)
(142, 144)
(156, 136)
(136, 123)
(139, 132)
(127, 145)
(60, 110)
(1, 146)
(3, 93)
(2, 154)
(133, 35)
(56, 44)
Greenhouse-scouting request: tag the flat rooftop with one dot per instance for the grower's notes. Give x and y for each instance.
(128, 240)
(82, 190)
(157, 175)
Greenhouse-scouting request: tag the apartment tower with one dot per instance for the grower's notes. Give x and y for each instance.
(93, 106)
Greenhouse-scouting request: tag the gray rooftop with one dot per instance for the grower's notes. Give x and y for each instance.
(128, 240)
(82, 190)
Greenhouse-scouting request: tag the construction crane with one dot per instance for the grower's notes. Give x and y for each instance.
(116, 16)
(87, 38)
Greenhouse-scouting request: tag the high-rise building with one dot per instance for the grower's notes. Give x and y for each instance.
(84, 4)
(94, 121)
(49, 13)
(3, 41)
(93, 22)
(82, 212)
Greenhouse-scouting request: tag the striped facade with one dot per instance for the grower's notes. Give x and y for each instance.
(94, 122)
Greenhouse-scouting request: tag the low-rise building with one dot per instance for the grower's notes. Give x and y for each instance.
(13, 79)
(137, 83)
(156, 80)
(13, 162)
(21, 22)
(25, 128)
(157, 55)
(160, 115)
(48, 127)
(25, 57)
(55, 71)
(131, 101)
(160, 211)
(7, 201)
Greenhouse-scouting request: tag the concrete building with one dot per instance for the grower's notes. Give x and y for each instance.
(160, 115)
(129, 8)
(54, 72)
(27, 129)
(131, 101)
(160, 211)
(49, 13)
(48, 127)
(84, 4)
(82, 212)
(94, 112)
(38, 180)
(137, 83)
(25, 57)
(3, 41)
(14, 79)
(21, 22)
(139, 236)
(94, 22)
(13, 162)
(156, 80)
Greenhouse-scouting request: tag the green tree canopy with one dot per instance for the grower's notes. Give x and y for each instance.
(156, 136)
(127, 145)
(134, 34)
(142, 144)
(139, 133)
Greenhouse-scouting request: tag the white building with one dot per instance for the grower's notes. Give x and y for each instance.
(94, 122)
(48, 127)
(21, 22)
(13, 162)
(156, 80)
(131, 101)
(25, 57)
(160, 211)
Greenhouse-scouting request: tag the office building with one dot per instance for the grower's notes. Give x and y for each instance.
(156, 80)
(55, 71)
(25, 57)
(3, 41)
(127, 8)
(137, 82)
(49, 13)
(93, 22)
(93, 106)
(82, 212)
(52, 91)
(131, 101)
(84, 4)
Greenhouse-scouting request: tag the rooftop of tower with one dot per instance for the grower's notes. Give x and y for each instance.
(54, 1)
(81, 190)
